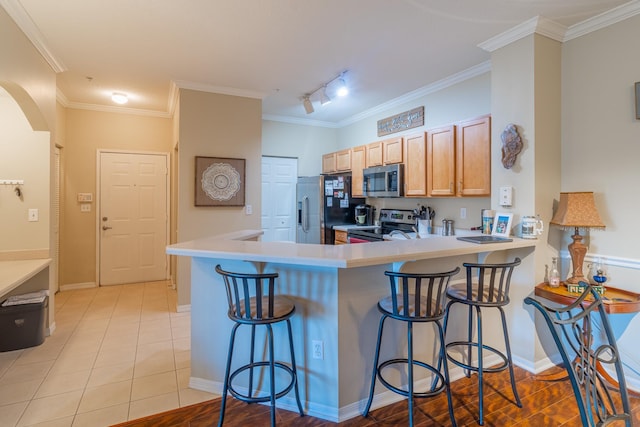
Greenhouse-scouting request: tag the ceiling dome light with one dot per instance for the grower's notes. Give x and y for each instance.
(119, 98)
(343, 90)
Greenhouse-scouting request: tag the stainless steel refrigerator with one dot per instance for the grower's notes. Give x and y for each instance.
(322, 202)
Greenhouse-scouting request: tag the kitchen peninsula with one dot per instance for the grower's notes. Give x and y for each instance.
(335, 289)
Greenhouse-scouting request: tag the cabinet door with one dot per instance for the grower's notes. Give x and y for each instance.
(329, 163)
(343, 161)
(393, 151)
(415, 176)
(473, 152)
(441, 161)
(358, 162)
(340, 238)
(374, 154)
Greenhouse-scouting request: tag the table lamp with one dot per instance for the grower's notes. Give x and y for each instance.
(577, 210)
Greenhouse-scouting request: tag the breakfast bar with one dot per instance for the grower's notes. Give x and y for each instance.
(335, 290)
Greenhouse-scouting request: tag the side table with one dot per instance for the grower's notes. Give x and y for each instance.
(615, 301)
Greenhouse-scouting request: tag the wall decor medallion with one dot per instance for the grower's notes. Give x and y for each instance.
(219, 181)
(399, 122)
(511, 145)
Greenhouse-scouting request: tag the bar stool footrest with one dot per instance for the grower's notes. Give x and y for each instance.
(402, 392)
(260, 399)
(468, 366)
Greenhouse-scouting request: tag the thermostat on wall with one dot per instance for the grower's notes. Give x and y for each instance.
(85, 197)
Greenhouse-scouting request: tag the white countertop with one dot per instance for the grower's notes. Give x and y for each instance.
(232, 246)
(347, 227)
(16, 272)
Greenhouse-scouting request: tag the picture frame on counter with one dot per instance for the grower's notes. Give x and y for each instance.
(502, 224)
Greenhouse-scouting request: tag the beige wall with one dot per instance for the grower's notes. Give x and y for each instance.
(306, 143)
(216, 125)
(86, 133)
(24, 155)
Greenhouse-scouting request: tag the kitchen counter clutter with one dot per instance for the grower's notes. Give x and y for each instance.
(335, 289)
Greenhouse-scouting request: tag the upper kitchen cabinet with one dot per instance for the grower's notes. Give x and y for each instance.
(358, 163)
(393, 150)
(415, 170)
(343, 161)
(337, 162)
(374, 154)
(473, 154)
(329, 163)
(441, 161)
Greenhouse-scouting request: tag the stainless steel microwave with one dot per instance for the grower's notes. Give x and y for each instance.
(383, 181)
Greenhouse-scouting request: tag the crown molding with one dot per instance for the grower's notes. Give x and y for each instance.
(603, 20)
(24, 22)
(454, 79)
(181, 84)
(61, 98)
(299, 121)
(538, 24)
(119, 110)
(174, 94)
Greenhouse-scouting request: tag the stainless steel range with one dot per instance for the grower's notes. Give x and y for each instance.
(390, 220)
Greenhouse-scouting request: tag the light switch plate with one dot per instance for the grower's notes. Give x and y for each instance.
(33, 215)
(506, 196)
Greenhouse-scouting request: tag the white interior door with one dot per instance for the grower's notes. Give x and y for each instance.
(279, 177)
(133, 217)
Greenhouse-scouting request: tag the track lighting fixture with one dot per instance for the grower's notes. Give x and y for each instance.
(324, 98)
(341, 90)
(308, 106)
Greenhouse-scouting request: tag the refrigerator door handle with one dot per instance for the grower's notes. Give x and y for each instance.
(305, 214)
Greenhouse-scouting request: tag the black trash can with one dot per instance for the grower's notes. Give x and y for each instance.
(23, 325)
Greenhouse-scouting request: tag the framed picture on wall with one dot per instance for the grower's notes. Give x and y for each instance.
(502, 224)
(219, 181)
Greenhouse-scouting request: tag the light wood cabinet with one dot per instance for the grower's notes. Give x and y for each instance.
(473, 154)
(441, 161)
(358, 163)
(374, 154)
(393, 151)
(343, 161)
(415, 170)
(340, 238)
(329, 163)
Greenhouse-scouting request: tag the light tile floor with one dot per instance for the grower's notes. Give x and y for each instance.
(118, 353)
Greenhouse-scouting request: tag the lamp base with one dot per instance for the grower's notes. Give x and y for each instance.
(578, 251)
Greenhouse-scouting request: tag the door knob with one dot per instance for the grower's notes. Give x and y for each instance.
(104, 227)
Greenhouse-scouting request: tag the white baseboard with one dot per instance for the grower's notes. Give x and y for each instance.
(185, 308)
(73, 286)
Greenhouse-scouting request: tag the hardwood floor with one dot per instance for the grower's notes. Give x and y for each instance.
(544, 404)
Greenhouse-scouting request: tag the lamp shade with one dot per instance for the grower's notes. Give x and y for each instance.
(577, 210)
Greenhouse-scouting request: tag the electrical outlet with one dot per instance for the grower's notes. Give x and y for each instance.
(463, 213)
(33, 214)
(317, 350)
(248, 209)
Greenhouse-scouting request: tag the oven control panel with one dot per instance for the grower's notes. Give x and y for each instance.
(397, 216)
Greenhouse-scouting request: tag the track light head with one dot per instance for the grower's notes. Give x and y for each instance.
(324, 98)
(343, 90)
(308, 106)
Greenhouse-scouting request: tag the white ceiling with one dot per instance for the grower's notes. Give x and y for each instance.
(278, 50)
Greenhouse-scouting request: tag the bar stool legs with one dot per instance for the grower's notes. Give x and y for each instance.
(420, 301)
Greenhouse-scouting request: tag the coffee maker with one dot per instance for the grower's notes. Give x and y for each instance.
(365, 214)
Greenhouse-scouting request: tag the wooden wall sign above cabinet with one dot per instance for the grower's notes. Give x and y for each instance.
(403, 121)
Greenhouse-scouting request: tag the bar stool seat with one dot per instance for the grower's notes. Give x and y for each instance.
(252, 301)
(414, 298)
(487, 286)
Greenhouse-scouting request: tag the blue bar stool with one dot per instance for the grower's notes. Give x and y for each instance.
(414, 298)
(487, 286)
(252, 301)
